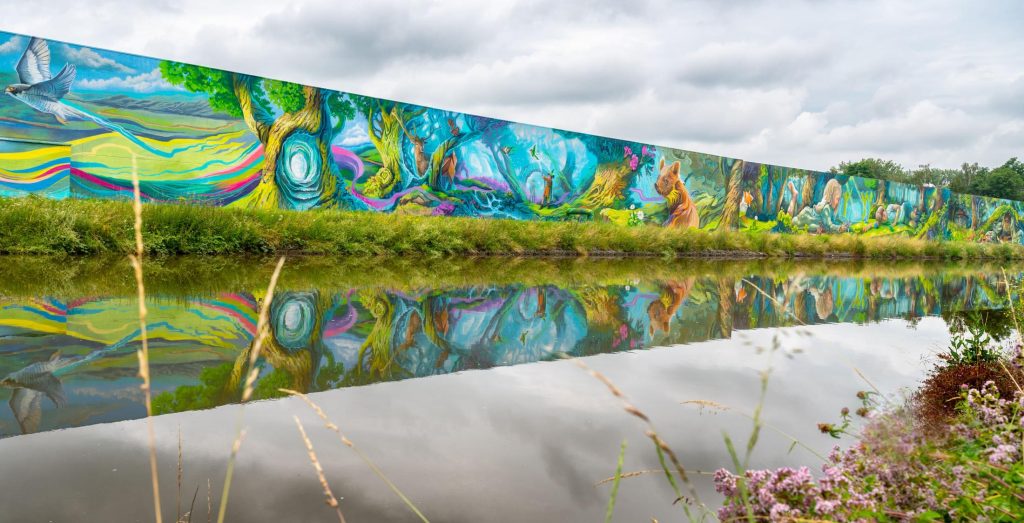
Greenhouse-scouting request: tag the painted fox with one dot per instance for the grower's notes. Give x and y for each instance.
(682, 211)
(662, 310)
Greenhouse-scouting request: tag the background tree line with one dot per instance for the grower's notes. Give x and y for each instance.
(1005, 181)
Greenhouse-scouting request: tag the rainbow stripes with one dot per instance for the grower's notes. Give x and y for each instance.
(215, 170)
(34, 168)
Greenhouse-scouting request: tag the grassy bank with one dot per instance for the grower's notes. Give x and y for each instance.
(85, 227)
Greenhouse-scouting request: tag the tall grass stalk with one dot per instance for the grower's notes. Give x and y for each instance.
(366, 459)
(661, 447)
(755, 434)
(615, 484)
(177, 512)
(328, 494)
(794, 441)
(1016, 326)
(143, 353)
(254, 353)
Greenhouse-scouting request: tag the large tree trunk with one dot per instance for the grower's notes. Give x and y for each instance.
(974, 212)
(880, 189)
(297, 162)
(726, 302)
(807, 194)
(610, 181)
(291, 346)
(731, 211)
(388, 144)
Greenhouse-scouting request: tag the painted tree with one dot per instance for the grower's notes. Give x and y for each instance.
(733, 193)
(293, 122)
(294, 342)
(385, 121)
(439, 166)
(807, 194)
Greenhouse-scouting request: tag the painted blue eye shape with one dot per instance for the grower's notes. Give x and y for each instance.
(299, 174)
(293, 319)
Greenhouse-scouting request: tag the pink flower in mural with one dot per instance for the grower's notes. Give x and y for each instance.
(634, 162)
(626, 151)
(643, 151)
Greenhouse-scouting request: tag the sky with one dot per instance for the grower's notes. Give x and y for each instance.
(804, 83)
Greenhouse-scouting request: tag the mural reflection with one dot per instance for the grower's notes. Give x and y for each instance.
(71, 361)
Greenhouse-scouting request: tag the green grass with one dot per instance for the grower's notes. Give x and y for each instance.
(87, 227)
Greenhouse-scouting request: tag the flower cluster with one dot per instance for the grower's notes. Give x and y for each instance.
(897, 472)
(633, 159)
(635, 217)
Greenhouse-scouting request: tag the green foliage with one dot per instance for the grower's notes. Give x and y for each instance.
(342, 108)
(899, 472)
(970, 343)
(330, 374)
(964, 179)
(286, 95)
(1005, 181)
(784, 222)
(268, 386)
(873, 168)
(997, 324)
(208, 394)
(217, 84)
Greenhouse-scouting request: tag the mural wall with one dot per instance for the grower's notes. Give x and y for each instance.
(74, 120)
(219, 138)
(785, 200)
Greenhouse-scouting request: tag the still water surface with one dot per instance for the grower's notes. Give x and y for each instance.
(448, 373)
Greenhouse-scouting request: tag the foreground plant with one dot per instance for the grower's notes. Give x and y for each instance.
(897, 472)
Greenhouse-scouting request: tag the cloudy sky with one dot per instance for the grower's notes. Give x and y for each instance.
(791, 82)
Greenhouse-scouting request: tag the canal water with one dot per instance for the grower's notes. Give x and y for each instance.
(457, 378)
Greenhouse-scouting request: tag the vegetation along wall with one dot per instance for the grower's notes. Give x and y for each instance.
(74, 120)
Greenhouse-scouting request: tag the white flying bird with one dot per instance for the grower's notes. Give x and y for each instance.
(36, 88)
(30, 384)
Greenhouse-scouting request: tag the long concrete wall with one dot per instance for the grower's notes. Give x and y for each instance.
(75, 120)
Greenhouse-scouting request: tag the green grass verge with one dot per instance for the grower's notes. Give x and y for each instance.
(85, 227)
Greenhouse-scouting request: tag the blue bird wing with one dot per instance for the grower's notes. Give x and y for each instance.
(56, 87)
(26, 404)
(34, 66)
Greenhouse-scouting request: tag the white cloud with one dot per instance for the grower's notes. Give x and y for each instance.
(11, 45)
(88, 58)
(140, 83)
(788, 81)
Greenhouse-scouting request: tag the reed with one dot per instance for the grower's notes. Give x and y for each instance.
(661, 447)
(254, 353)
(613, 495)
(366, 459)
(143, 353)
(328, 494)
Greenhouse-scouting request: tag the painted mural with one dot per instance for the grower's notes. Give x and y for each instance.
(213, 137)
(982, 219)
(75, 121)
(785, 200)
(71, 361)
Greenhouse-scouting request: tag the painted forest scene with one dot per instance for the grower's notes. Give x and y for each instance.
(210, 137)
